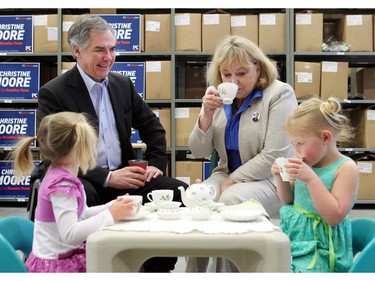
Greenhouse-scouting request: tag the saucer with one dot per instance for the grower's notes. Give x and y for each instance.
(150, 206)
(216, 206)
(241, 214)
(140, 215)
(169, 205)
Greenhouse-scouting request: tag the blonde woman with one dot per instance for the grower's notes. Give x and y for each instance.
(317, 203)
(62, 219)
(247, 134)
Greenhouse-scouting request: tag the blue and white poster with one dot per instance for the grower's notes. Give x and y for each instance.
(16, 124)
(16, 34)
(135, 138)
(135, 71)
(9, 188)
(19, 80)
(128, 32)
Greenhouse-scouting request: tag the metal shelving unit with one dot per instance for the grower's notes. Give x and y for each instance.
(178, 59)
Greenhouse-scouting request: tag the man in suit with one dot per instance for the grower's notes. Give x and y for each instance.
(114, 107)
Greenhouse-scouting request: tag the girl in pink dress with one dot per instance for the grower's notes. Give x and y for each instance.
(62, 219)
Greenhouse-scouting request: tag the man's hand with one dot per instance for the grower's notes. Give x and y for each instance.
(128, 177)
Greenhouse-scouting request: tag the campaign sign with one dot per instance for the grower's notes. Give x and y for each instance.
(135, 71)
(128, 32)
(9, 188)
(16, 124)
(135, 138)
(16, 34)
(19, 80)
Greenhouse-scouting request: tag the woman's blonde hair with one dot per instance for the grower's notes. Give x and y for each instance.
(315, 115)
(236, 47)
(58, 135)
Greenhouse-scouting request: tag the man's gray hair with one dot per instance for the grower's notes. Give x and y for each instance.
(79, 32)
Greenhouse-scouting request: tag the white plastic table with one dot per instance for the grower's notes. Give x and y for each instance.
(125, 251)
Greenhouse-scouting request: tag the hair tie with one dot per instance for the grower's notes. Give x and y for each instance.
(74, 125)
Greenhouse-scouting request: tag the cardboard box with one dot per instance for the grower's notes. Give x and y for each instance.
(45, 33)
(366, 180)
(357, 30)
(189, 171)
(307, 79)
(68, 21)
(272, 32)
(185, 117)
(365, 79)
(215, 27)
(309, 32)
(102, 11)
(188, 32)
(65, 66)
(364, 122)
(164, 115)
(195, 81)
(158, 80)
(158, 33)
(334, 80)
(245, 26)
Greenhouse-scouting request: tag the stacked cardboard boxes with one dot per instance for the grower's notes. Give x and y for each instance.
(366, 168)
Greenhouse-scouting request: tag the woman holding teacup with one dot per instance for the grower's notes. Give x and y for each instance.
(248, 133)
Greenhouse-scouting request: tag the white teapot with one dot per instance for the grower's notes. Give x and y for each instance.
(198, 194)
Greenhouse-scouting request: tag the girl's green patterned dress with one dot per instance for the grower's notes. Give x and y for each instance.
(316, 246)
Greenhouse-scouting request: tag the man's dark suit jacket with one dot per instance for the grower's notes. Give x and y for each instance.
(68, 92)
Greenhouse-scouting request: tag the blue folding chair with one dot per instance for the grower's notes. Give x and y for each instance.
(363, 230)
(16, 234)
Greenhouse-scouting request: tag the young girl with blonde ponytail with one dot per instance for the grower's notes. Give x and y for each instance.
(62, 219)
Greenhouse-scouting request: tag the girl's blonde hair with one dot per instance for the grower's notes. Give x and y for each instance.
(236, 47)
(58, 135)
(315, 115)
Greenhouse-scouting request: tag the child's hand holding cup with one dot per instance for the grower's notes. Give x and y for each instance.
(281, 162)
(137, 201)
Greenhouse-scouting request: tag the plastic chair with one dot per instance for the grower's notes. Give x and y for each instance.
(16, 234)
(363, 230)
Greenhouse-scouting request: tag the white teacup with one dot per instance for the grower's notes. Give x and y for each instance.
(280, 162)
(160, 195)
(137, 200)
(227, 91)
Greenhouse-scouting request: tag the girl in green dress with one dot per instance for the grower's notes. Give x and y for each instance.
(324, 189)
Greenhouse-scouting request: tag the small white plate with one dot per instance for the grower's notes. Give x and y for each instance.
(150, 206)
(241, 214)
(140, 215)
(217, 206)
